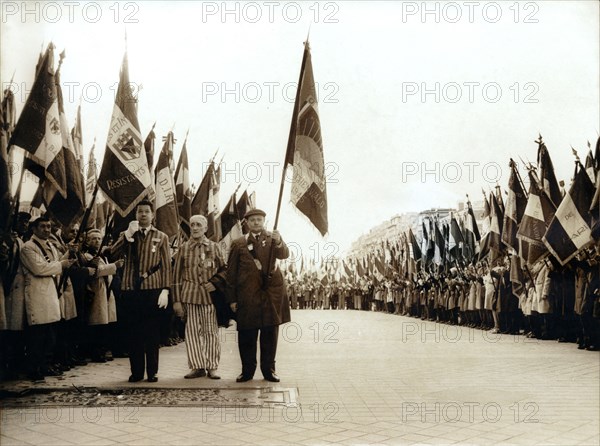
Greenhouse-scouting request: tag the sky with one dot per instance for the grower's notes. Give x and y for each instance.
(420, 103)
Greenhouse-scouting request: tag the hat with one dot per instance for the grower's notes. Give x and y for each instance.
(94, 231)
(252, 212)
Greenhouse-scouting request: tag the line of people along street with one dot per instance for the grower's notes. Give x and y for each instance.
(554, 303)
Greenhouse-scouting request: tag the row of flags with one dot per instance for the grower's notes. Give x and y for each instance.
(53, 152)
(531, 226)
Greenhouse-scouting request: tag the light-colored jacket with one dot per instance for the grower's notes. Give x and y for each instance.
(103, 309)
(40, 279)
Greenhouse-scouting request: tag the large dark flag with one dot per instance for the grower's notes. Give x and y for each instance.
(472, 236)
(183, 189)
(515, 208)
(166, 217)
(305, 151)
(204, 201)
(416, 250)
(548, 180)
(125, 176)
(456, 240)
(536, 218)
(244, 204)
(569, 231)
(38, 129)
(231, 227)
(70, 208)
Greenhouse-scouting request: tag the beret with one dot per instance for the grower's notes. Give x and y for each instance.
(252, 212)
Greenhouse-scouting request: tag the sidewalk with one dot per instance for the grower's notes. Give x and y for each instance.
(359, 378)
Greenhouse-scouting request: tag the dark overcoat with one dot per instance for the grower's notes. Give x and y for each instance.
(257, 307)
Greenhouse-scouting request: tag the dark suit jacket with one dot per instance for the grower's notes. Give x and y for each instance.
(257, 308)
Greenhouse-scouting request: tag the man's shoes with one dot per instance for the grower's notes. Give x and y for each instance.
(196, 373)
(135, 379)
(152, 379)
(243, 378)
(212, 374)
(272, 377)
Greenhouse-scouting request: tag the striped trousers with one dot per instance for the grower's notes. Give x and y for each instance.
(202, 337)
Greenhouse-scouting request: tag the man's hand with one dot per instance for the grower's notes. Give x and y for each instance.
(276, 236)
(91, 271)
(163, 299)
(133, 227)
(119, 263)
(178, 310)
(233, 307)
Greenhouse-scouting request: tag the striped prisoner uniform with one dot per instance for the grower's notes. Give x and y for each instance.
(195, 263)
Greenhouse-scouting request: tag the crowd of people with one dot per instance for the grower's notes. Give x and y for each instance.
(70, 297)
(554, 302)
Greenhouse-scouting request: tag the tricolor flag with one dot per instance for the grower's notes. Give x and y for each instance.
(456, 239)
(491, 242)
(515, 208)
(231, 227)
(487, 211)
(38, 130)
(305, 151)
(166, 218)
(416, 250)
(547, 175)
(204, 202)
(77, 138)
(70, 208)
(125, 176)
(244, 204)
(569, 231)
(471, 234)
(536, 218)
(183, 189)
(440, 244)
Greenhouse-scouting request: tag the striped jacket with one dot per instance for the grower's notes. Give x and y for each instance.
(195, 264)
(146, 254)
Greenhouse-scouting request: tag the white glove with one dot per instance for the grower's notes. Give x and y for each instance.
(163, 299)
(133, 227)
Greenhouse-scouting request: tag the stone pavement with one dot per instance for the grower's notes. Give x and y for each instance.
(361, 378)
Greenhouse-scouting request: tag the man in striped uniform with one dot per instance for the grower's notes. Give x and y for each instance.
(145, 288)
(197, 261)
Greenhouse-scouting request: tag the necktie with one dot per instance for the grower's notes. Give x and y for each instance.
(143, 232)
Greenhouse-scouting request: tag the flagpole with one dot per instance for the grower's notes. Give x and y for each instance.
(292, 135)
(289, 153)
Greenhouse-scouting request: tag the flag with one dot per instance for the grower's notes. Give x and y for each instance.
(515, 208)
(166, 218)
(305, 151)
(70, 208)
(243, 206)
(231, 227)
(589, 166)
(214, 225)
(471, 233)
(38, 129)
(416, 251)
(491, 242)
(183, 189)
(547, 175)
(125, 176)
(456, 240)
(569, 231)
(77, 138)
(205, 202)
(486, 214)
(438, 254)
(5, 174)
(536, 218)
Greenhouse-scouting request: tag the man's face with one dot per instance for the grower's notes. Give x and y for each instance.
(197, 227)
(71, 233)
(144, 215)
(43, 230)
(22, 225)
(94, 240)
(256, 223)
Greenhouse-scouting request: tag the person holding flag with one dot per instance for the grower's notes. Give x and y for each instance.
(256, 293)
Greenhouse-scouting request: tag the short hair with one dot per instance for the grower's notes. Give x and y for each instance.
(145, 203)
(199, 217)
(35, 223)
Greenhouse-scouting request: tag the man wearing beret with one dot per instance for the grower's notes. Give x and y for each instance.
(258, 298)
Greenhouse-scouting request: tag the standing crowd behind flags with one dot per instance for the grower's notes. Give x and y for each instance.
(535, 270)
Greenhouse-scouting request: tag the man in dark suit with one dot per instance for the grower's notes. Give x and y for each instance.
(258, 298)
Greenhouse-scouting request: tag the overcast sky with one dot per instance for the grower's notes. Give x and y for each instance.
(494, 76)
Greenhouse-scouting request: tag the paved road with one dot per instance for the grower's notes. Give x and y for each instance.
(360, 378)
